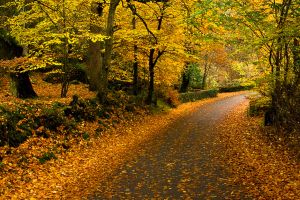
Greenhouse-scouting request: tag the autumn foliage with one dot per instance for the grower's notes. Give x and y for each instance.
(71, 70)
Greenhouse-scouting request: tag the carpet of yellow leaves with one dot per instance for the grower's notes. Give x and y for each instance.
(78, 171)
(47, 92)
(268, 171)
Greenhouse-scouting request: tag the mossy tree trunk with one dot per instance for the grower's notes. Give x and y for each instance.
(100, 52)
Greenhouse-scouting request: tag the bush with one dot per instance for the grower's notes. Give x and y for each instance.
(161, 106)
(75, 73)
(85, 136)
(12, 131)
(258, 106)
(51, 118)
(168, 95)
(194, 96)
(117, 98)
(236, 88)
(83, 110)
(46, 157)
(172, 98)
(17, 123)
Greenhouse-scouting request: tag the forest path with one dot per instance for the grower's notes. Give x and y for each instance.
(182, 162)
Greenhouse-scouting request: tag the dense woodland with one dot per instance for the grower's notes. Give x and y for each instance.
(151, 50)
(69, 70)
(155, 49)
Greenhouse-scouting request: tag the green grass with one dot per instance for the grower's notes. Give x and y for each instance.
(160, 107)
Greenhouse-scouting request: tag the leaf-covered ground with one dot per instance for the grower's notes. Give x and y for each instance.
(267, 171)
(47, 92)
(76, 172)
(181, 162)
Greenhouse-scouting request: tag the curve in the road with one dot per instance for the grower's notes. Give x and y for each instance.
(181, 163)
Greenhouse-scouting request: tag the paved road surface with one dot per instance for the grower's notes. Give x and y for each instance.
(181, 163)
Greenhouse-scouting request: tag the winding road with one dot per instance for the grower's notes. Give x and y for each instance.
(183, 162)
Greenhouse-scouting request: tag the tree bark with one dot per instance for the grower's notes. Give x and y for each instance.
(135, 62)
(21, 86)
(100, 52)
(185, 79)
(66, 71)
(149, 99)
(135, 75)
(279, 104)
(205, 74)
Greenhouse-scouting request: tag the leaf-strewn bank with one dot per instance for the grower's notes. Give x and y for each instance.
(78, 171)
(268, 171)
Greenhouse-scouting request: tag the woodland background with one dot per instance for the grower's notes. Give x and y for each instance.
(65, 63)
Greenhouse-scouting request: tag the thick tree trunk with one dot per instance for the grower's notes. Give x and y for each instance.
(95, 55)
(96, 71)
(21, 86)
(100, 52)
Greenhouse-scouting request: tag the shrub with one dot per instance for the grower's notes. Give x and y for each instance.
(194, 96)
(161, 106)
(54, 76)
(83, 110)
(236, 88)
(76, 72)
(85, 136)
(46, 157)
(17, 123)
(51, 118)
(117, 98)
(172, 98)
(12, 131)
(168, 95)
(259, 105)
(138, 99)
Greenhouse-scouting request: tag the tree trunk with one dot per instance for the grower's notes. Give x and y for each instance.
(185, 80)
(100, 52)
(21, 86)
(149, 99)
(135, 76)
(205, 74)
(66, 70)
(135, 62)
(278, 99)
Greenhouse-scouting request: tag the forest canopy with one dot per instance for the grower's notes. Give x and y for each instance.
(152, 46)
